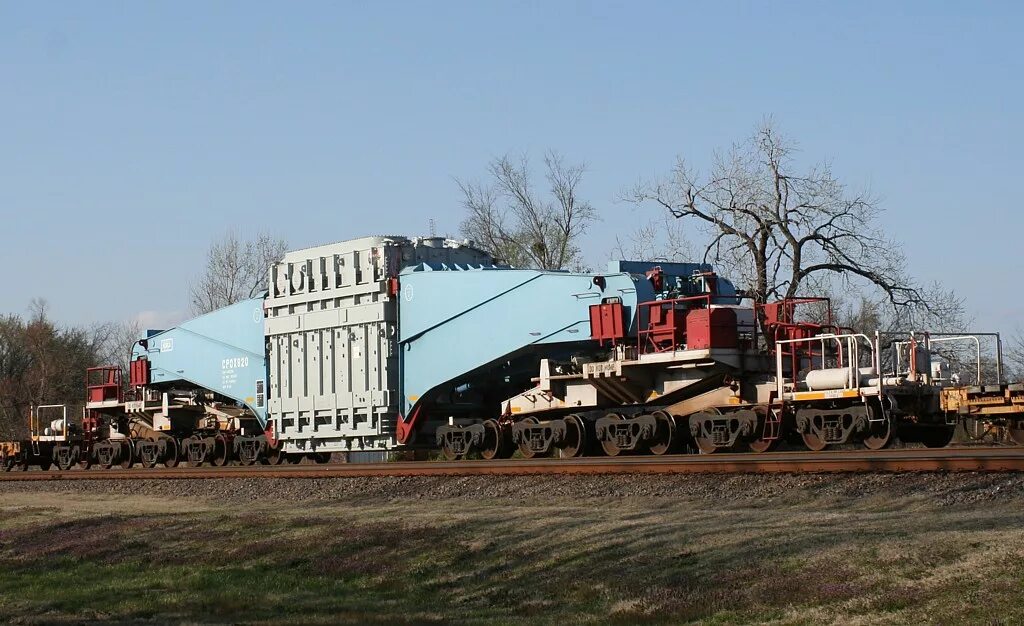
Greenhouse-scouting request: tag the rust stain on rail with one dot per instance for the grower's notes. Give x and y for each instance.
(912, 460)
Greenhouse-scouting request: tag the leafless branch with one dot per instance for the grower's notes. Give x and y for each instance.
(773, 229)
(522, 227)
(235, 270)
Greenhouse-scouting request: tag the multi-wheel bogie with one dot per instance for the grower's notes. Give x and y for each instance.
(109, 436)
(809, 385)
(197, 449)
(755, 428)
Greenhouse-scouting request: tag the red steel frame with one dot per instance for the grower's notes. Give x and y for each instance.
(109, 386)
(780, 324)
(668, 327)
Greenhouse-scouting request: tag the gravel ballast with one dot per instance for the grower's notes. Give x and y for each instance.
(937, 488)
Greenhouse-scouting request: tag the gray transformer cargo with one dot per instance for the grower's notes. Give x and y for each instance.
(332, 337)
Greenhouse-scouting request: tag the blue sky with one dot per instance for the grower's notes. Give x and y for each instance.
(135, 133)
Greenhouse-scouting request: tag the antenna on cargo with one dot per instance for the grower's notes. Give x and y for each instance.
(433, 228)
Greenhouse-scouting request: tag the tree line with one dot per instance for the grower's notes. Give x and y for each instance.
(44, 362)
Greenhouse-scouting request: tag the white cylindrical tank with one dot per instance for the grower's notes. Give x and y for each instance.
(836, 378)
(830, 378)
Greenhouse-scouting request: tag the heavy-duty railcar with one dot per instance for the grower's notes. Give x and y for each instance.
(388, 343)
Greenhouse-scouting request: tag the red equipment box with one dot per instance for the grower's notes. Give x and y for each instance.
(711, 328)
(606, 322)
(138, 375)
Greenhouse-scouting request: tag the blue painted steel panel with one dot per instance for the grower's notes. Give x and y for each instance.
(455, 322)
(222, 351)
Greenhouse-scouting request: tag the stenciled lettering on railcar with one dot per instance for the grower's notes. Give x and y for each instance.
(228, 375)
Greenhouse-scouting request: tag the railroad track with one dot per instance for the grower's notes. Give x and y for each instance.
(1004, 459)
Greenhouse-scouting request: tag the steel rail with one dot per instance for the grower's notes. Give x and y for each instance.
(1003, 459)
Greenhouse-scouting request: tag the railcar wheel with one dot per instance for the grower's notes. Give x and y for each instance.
(763, 445)
(813, 442)
(497, 441)
(293, 459)
(881, 435)
(45, 464)
(6, 462)
(1016, 434)
(321, 458)
(275, 456)
(524, 446)
(665, 434)
(940, 437)
(107, 459)
(248, 455)
(221, 452)
(85, 459)
(610, 446)
(172, 453)
(66, 457)
(126, 454)
(577, 437)
(194, 451)
(706, 445)
(148, 454)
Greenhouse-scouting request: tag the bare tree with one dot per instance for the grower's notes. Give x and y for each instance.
(519, 226)
(659, 239)
(1014, 355)
(945, 314)
(114, 342)
(941, 311)
(235, 270)
(776, 230)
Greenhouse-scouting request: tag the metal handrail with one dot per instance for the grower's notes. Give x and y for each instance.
(35, 431)
(930, 338)
(853, 358)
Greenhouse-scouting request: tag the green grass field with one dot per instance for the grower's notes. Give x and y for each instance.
(133, 559)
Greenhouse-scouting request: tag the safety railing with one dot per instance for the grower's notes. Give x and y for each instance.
(846, 349)
(48, 417)
(902, 366)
